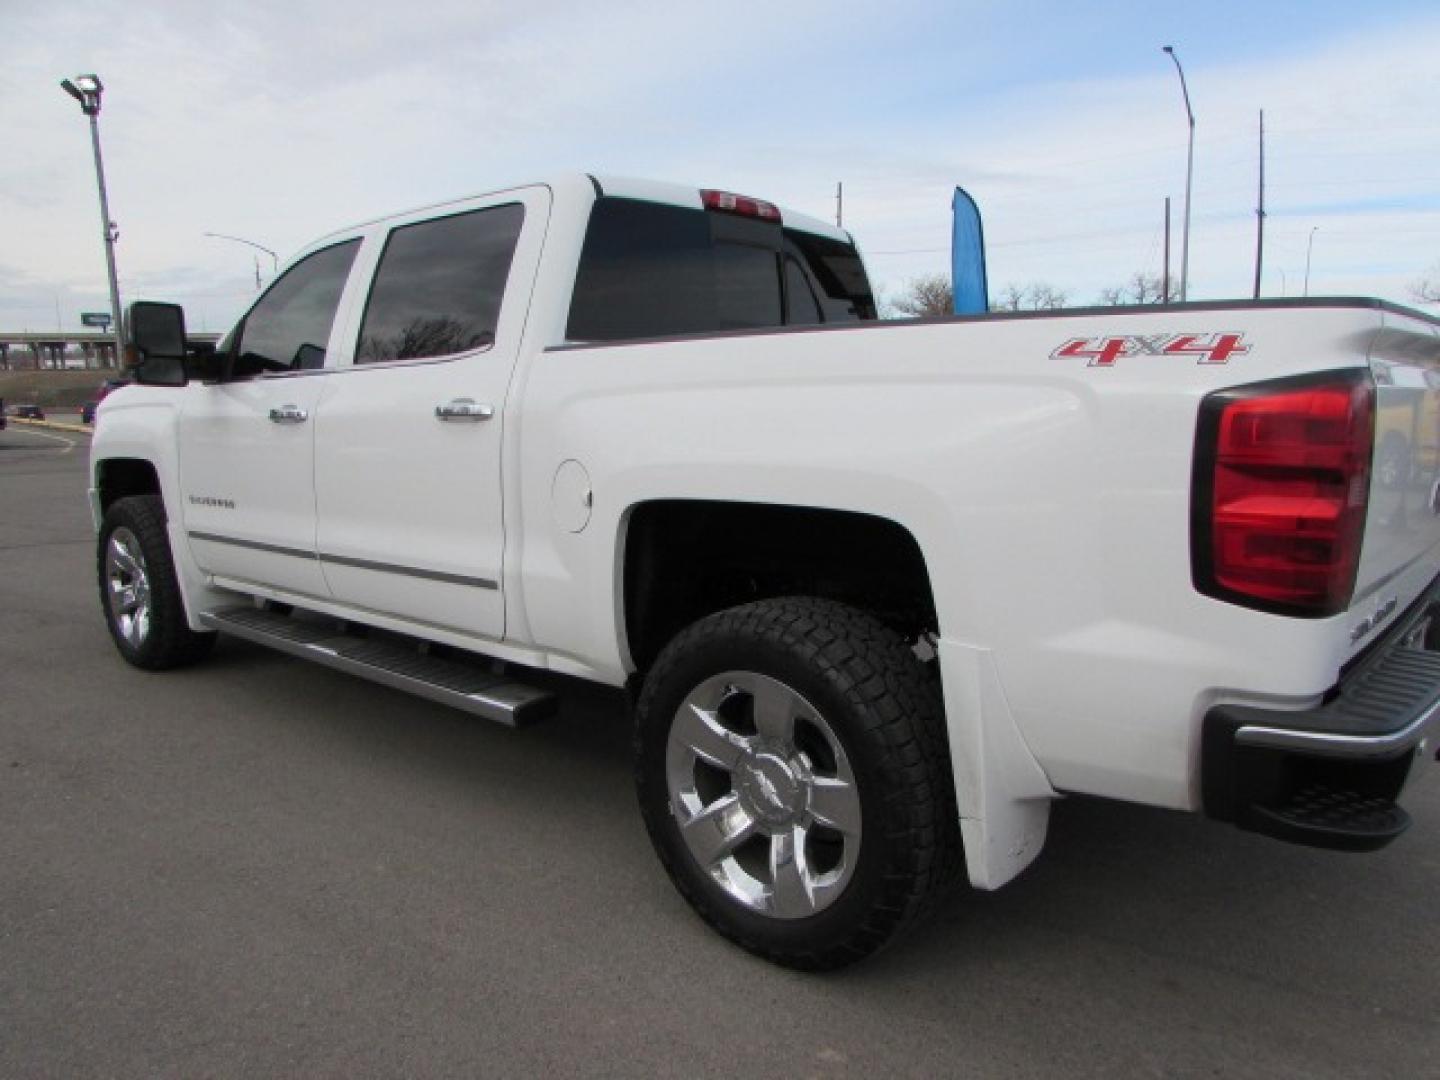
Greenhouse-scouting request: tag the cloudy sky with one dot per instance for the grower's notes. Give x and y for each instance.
(279, 122)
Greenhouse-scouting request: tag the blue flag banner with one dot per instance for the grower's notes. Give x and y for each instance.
(967, 257)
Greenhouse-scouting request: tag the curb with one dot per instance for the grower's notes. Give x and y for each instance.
(54, 425)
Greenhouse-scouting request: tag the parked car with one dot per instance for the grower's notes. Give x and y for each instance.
(3, 421)
(29, 412)
(109, 386)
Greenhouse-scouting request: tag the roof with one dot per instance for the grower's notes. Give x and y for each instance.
(625, 187)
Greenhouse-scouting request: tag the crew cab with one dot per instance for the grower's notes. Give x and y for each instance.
(881, 591)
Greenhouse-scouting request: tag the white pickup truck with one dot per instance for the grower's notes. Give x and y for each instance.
(881, 590)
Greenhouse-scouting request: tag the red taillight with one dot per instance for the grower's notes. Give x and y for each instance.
(1282, 479)
(729, 203)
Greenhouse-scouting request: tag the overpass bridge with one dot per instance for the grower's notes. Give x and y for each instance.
(57, 349)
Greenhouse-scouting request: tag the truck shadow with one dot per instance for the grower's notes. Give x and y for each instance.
(1117, 886)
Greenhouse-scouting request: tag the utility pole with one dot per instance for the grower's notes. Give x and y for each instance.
(839, 204)
(86, 89)
(1260, 212)
(1309, 249)
(1165, 281)
(1189, 173)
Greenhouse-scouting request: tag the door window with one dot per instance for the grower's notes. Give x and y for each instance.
(439, 286)
(287, 330)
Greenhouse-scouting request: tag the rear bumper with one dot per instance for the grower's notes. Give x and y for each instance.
(1329, 776)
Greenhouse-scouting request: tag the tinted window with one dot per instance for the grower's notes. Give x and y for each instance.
(800, 303)
(288, 329)
(834, 266)
(651, 270)
(644, 272)
(439, 286)
(747, 287)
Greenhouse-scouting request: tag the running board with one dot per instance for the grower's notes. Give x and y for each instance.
(449, 682)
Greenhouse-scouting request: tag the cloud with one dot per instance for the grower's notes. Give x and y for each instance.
(282, 121)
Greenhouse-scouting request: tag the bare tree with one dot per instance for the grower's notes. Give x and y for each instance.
(1044, 297)
(924, 296)
(932, 295)
(1011, 298)
(1426, 290)
(1037, 296)
(1142, 288)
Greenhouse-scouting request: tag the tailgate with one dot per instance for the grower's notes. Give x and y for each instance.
(1402, 527)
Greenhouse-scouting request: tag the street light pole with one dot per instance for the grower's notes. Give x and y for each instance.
(1189, 173)
(274, 259)
(1309, 248)
(86, 89)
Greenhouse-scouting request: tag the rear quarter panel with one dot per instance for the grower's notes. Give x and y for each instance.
(1049, 495)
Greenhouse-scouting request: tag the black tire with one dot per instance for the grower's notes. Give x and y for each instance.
(878, 701)
(166, 640)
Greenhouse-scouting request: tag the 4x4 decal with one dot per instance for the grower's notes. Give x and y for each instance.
(1213, 348)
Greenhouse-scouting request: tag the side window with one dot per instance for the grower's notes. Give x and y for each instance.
(645, 271)
(439, 286)
(845, 294)
(801, 307)
(289, 327)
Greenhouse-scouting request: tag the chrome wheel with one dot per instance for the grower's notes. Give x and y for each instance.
(764, 795)
(127, 587)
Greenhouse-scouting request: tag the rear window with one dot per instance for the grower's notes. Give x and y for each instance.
(651, 270)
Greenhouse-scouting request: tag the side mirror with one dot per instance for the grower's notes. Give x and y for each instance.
(155, 343)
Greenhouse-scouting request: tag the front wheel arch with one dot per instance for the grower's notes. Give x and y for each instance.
(120, 478)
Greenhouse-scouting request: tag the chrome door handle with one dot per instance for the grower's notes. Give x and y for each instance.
(464, 408)
(288, 414)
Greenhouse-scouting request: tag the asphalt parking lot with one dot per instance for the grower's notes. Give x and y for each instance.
(260, 867)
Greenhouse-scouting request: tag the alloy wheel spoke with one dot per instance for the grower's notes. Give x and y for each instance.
(836, 804)
(774, 711)
(716, 831)
(123, 558)
(791, 895)
(698, 730)
(133, 627)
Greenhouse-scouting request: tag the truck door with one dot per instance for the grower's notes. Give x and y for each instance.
(247, 442)
(409, 436)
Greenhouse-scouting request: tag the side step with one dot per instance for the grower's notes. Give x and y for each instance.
(449, 682)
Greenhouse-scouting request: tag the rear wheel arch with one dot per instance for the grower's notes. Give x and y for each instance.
(683, 559)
